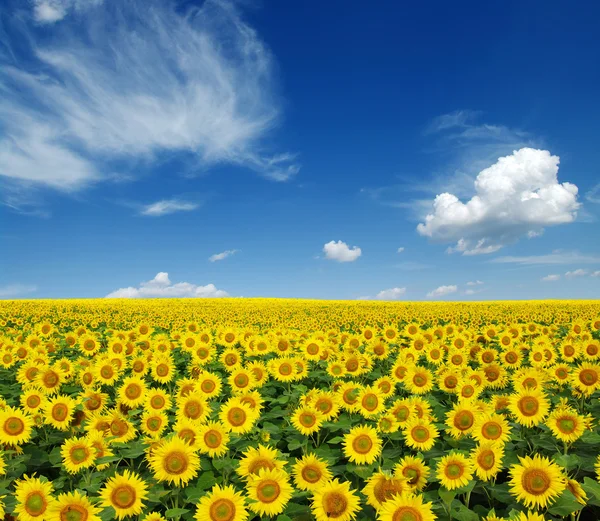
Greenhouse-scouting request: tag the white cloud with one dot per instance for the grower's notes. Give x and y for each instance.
(593, 195)
(517, 196)
(162, 287)
(472, 291)
(16, 290)
(576, 273)
(595, 274)
(199, 83)
(401, 249)
(51, 11)
(442, 291)
(391, 294)
(339, 251)
(223, 255)
(556, 257)
(167, 206)
(551, 278)
(475, 283)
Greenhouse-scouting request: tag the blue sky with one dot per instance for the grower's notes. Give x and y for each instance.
(290, 149)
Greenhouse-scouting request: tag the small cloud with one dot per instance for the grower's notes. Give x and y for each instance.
(593, 195)
(16, 290)
(401, 249)
(167, 206)
(595, 274)
(475, 283)
(576, 273)
(391, 294)
(551, 278)
(556, 257)
(473, 291)
(223, 255)
(340, 252)
(442, 291)
(162, 287)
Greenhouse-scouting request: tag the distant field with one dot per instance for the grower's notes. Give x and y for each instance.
(241, 409)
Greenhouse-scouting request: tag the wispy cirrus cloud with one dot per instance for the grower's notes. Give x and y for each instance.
(198, 83)
(223, 255)
(556, 257)
(166, 207)
(16, 290)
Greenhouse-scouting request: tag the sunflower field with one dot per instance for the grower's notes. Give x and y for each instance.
(259, 409)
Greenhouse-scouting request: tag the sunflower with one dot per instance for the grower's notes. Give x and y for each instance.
(387, 424)
(586, 378)
(530, 516)
(175, 462)
(566, 424)
(154, 516)
(407, 507)
(371, 401)
(213, 439)
(157, 400)
(487, 460)
(222, 504)
(420, 434)
(255, 459)
(348, 393)
(126, 493)
(34, 498)
(120, 427)
(310, 472)
(238, 417)
(162, 369)
(77, 454)
(132, 392)
(154, 423)
(529, 407)
(94, 401)
(335, 500)
(101, 447)
(209, 384)
(414, 471)
(32, 400)
(460, 420)
(307, 420)
(418, 380)
(362, 445)
(536, 481)
(270, 491)
(454, 470)
(73, 506)
(15, 426)
(491, 427)
(381, 487)
(50, 379)
(193, 407)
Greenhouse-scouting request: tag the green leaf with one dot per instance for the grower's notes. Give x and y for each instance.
(447, 496)
(295, 444)
(462, 513)
(565, 504)
(283, 517)
(335, 441)
(176, 512)
(568, 461)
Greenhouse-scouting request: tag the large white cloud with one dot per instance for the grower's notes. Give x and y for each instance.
(341, 252)
(442, 291)
(91, 102)
(518, 196)
(162, 287)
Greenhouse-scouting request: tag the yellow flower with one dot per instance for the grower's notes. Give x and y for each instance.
(491, 427)
(307, 420)
(126, 493)
(586, 378)
(237, 416)
(270, 491)
(132, 392)
(310, 472)
(174, 461)
(213, 439)
(157, 400)
(153, 423)
(77, 454)
(414, 471)
(222, 504)
(335, 500)
(362, 445)
(15, 426)
(73, 506)
(406, 506)
(209, 384)
(420, 434)
(382, 487)
(193, 407)
(577, 490)
(255, 459)
(487, 460)
(418, 380)
(454, 470)
(34, 498)
(529, 407)
(101, 447)
(371, 402)
(460, 419)
(536, 481)
(59, 411)
(566, 424)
